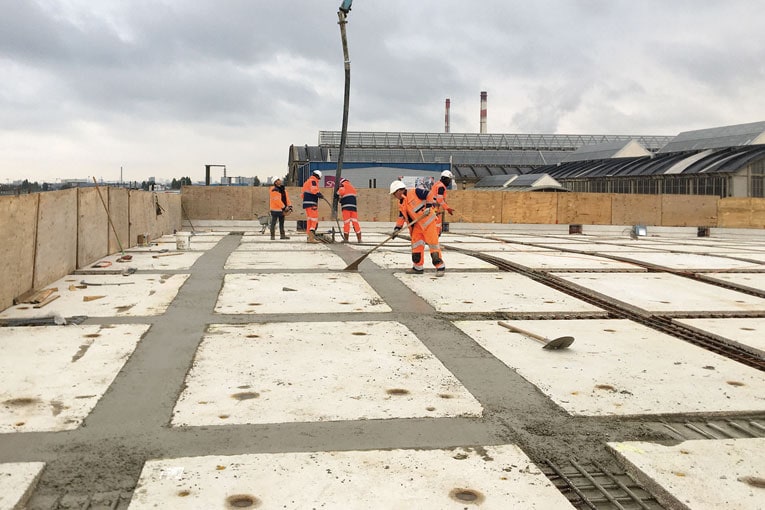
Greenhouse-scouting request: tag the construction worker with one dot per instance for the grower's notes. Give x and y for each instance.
(347, 194)
(437, 196)
(280, 206)
(415, 210)
(311, 196)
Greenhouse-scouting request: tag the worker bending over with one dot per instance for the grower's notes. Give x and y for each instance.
(280, 205)
(437, 196)
(415, 210)
(347, 194)
(311, 196)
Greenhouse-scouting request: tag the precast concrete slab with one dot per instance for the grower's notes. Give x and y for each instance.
(694, 262)
(490, 477)
(619, 367)
(746, 333)
(493, 292)
(259, 293)
(493, 247)
(72, 367)
(750, 281)
(284, 260)
(461, 238)
(612, 248)
(149, 261)
(105, 296)
(317, 371)
(536, 239)
(17, 481)
(282, 245)
(667, 294)
(565, 261)
(700, 474)
(402, 259)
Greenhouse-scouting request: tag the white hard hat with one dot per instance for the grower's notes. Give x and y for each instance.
(317, 173)
(447, 173)
(395, 186)
(275, 178)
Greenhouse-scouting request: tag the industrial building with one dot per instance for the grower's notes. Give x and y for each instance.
(726, 161)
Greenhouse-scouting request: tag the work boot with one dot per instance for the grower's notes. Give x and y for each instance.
(440, 271)
(345, 236)
(358, 236)
(413, 270)
(284, 237)
(312, 237)
(273, 237)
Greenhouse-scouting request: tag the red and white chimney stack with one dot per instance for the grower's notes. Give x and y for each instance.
(446, 116)
(483, 112)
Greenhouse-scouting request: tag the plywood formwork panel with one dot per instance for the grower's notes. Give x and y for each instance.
(260, 200)
(373, 204)
(741, 212)
(170, 219)
(475, 206)
(222, 202)
(118, 210)
(92, 225)
(584, 208)
(17, 246)
(688, 210)
(635, 209)
(529, 207)
(56, 245)
(141, 215)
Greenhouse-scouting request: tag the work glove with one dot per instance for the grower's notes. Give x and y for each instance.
(396, 230)
(450, 210)
(320, 195)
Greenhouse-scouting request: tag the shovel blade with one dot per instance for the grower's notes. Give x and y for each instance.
(559, 343)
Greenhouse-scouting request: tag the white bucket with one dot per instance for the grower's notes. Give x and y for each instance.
(182, 241)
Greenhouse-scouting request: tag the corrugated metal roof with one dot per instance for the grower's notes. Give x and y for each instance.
(714, 138)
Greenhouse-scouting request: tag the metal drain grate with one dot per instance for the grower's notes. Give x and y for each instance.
(594, 486)
(718, 429)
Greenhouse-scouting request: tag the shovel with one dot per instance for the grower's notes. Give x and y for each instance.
(83, 282)
(561, 342)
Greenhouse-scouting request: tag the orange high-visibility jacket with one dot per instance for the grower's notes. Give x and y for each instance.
(413, 204)
(279, 199)
(347, 195)
(311, 192)
(437, 195)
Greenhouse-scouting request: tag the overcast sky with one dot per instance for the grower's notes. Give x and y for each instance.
(163, 87)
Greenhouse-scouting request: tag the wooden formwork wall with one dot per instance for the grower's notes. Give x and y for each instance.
(45, 236)
(741, 213)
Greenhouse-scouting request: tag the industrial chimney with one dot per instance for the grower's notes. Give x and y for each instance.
(483, 112)
(446, 116)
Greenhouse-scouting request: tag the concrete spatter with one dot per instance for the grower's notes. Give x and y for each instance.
(283, 260)
(700, 474)
(566, 261)
(492, 477)
(297, 293)
(282, 245)
(746, 332)
(73, 366)
(109, 296)
(402, 259)
(492, 292)
(320, 371)
(693, 261)
(17, 480)
(664, 293)
(619, 367)
(753, 281)
(151, 260)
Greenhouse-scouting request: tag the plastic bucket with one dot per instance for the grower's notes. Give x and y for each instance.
(182, 241)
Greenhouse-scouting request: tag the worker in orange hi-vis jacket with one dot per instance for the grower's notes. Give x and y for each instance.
(437, 196)
(311, 196)
(347, 194)
(415, 210)
(280, 205)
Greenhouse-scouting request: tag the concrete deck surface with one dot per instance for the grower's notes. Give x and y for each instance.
(262, 375)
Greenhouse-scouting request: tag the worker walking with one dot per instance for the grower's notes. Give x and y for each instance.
(311, 196)
(280, 206)
(415, 210)
(437, 196)
(347, 194)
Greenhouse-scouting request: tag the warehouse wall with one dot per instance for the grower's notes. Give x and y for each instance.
(45, 236)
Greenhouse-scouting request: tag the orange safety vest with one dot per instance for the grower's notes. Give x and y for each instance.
(413, 204)
(311, 192)
(347, 196)
(279, 199)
